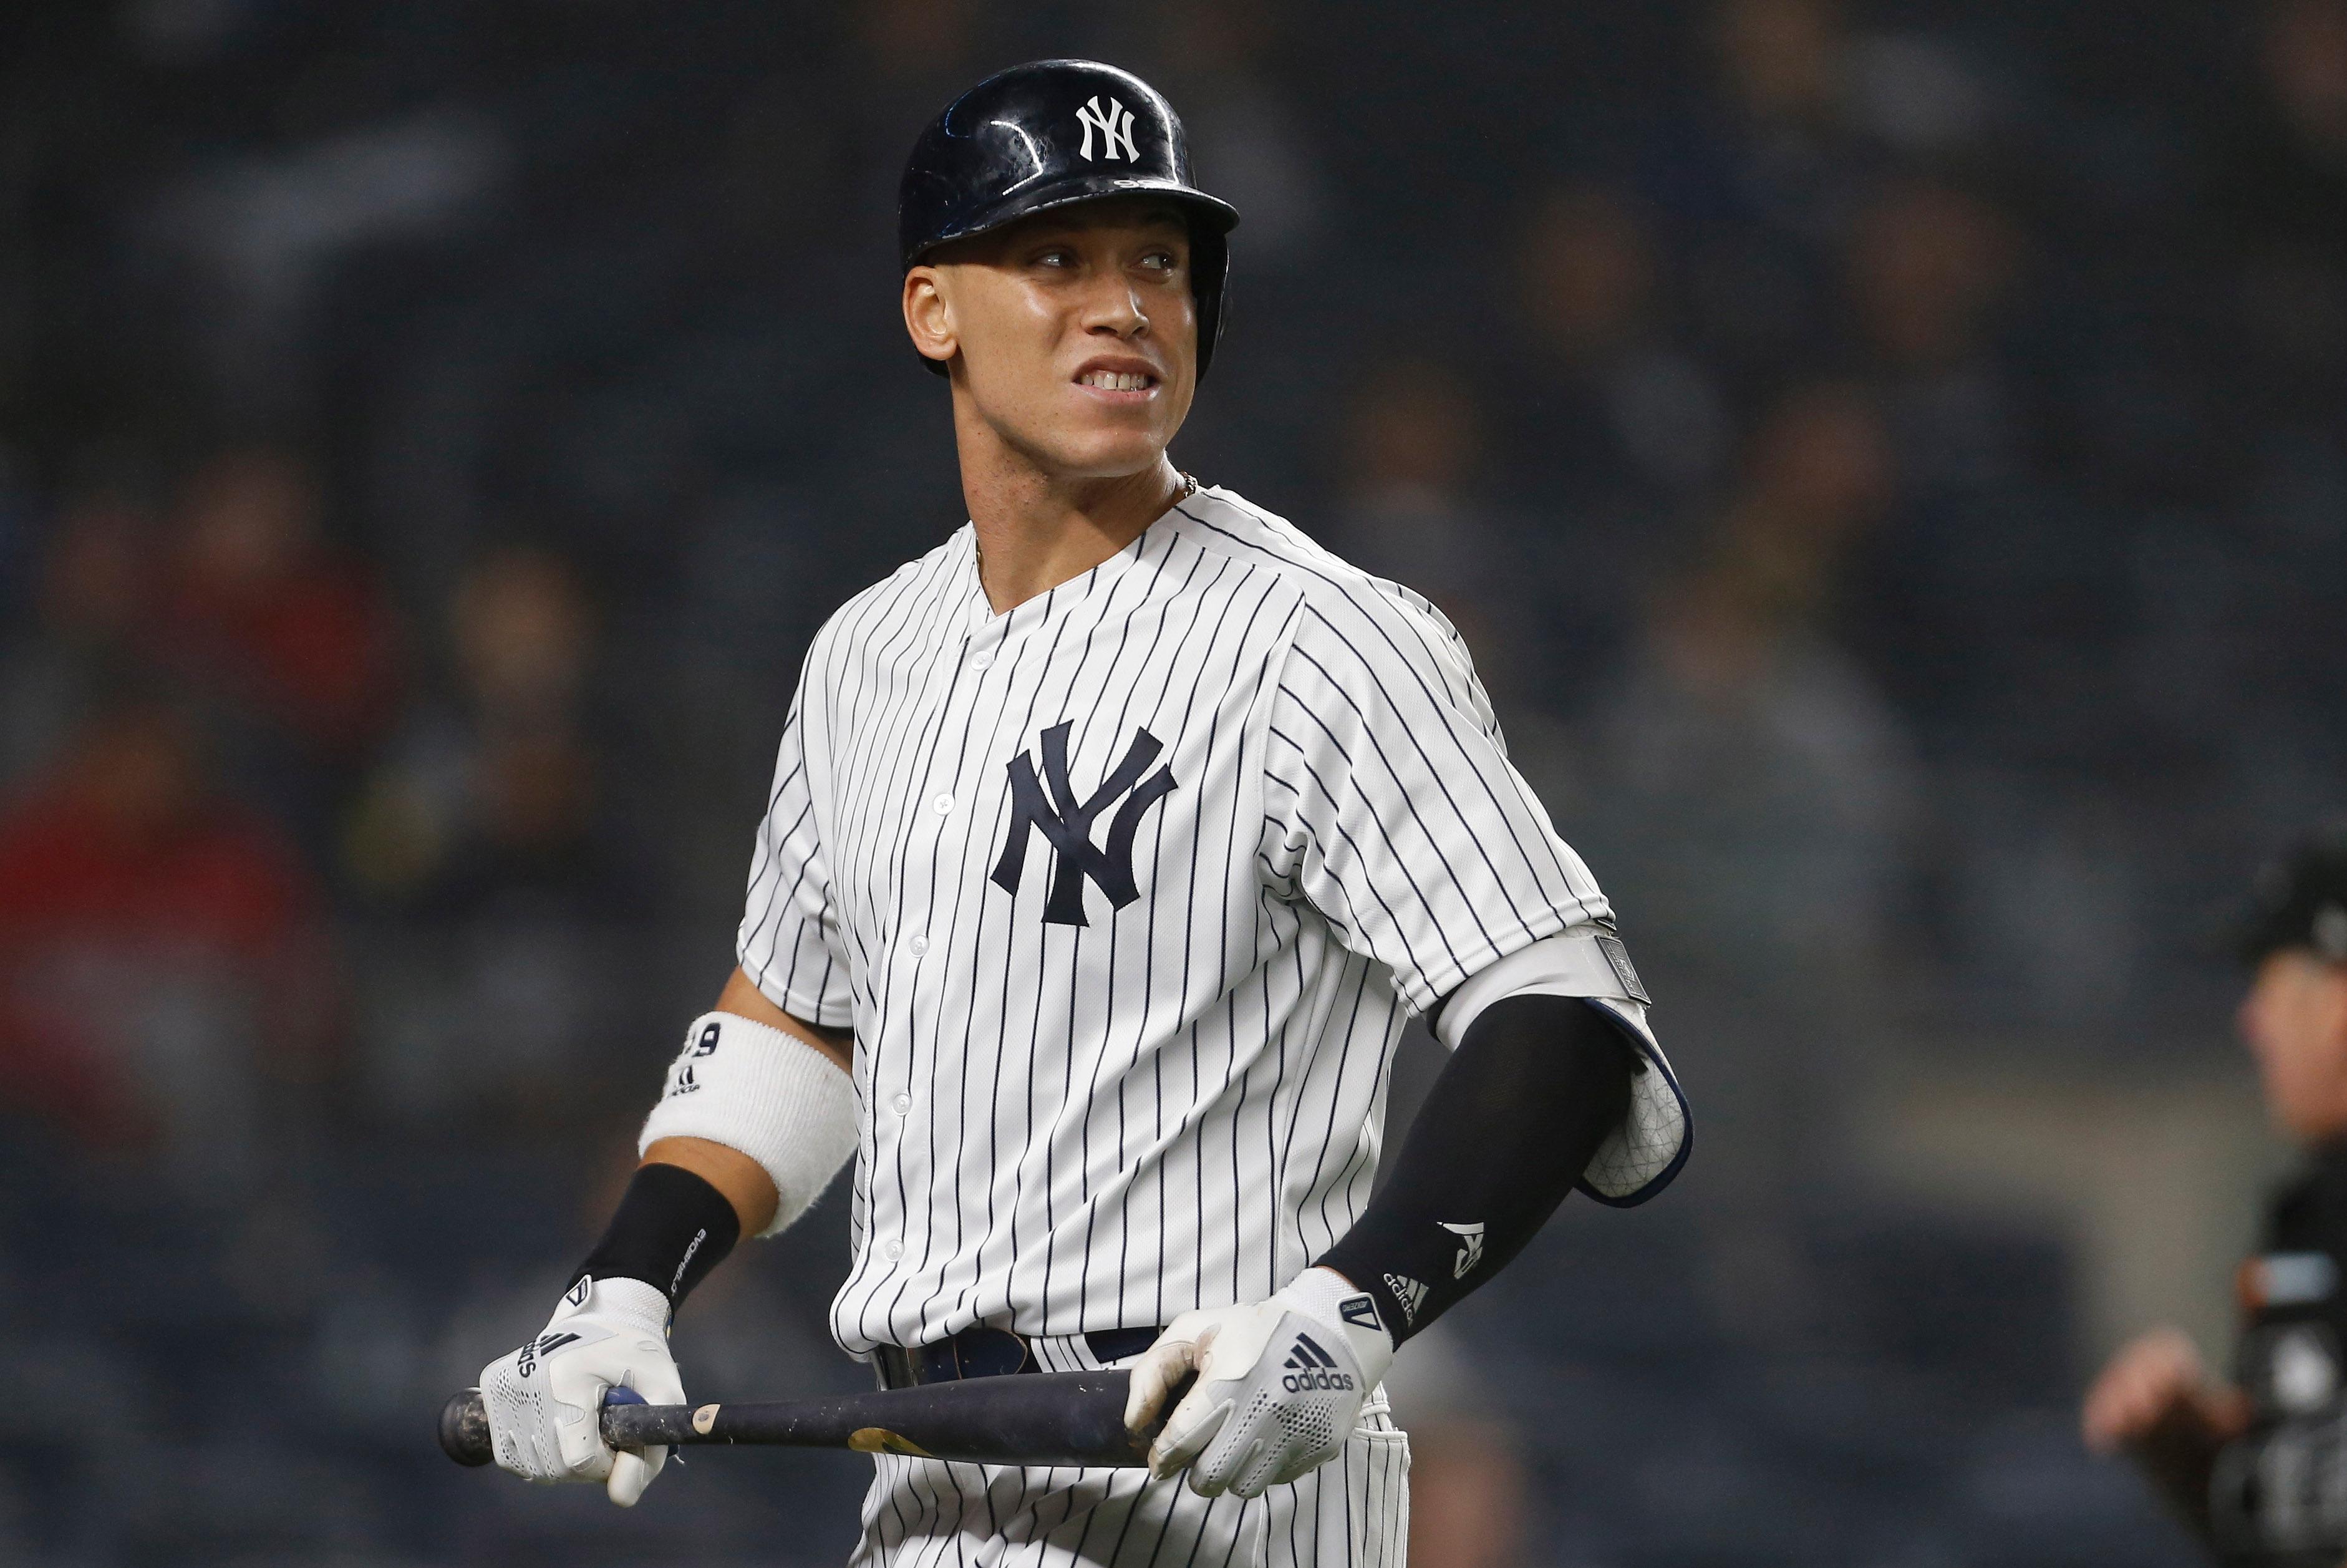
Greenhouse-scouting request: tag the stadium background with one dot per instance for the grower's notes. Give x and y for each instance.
(1888, 460)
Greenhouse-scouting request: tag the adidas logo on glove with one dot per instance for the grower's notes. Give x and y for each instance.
(539, 1346)
(1310, 1368)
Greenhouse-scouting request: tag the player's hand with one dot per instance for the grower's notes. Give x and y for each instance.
(2151, 1379)
(544, 1400)
(1280, 1385)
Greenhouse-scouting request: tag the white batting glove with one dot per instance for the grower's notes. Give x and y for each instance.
(1280, 1385)
(543, 1401)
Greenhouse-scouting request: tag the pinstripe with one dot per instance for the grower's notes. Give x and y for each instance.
(1065, 1128)
(1170, 1106)
(1445, 711)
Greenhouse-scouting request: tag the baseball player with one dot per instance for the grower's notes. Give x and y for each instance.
(2256, 1467)
(1110, 845)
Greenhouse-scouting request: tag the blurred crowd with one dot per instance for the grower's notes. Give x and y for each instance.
(1889, 462)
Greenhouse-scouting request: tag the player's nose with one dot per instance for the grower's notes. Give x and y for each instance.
(1114, 306)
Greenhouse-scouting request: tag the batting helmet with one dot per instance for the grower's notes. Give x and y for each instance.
(1052, 133)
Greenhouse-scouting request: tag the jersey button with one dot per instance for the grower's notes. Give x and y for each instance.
(942, 805)
(902, 1104)
(892, 1249)
(917, 945)
(981, 660)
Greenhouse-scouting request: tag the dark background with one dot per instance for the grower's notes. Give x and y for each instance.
(1888, 460)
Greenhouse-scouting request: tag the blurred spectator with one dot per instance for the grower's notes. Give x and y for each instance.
(482, 830)
(96, 583)
(1411, 512)
(1782, 61)
(162, 959)
(1248, 138)
(1606, 410)
(2281, 197)
(1759, 790)
(1928, 264)
(263, 619)
(497, 764)
(2289, 181)
(1754, 799)
(1929, 267)
(923, 41)
(907, 59)
(1413, 438)
(1769, 170)
(523, 635)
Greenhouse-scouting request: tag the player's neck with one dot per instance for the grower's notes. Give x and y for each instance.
(1037, 530)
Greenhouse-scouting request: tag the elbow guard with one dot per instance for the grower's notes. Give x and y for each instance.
(1641, 1155)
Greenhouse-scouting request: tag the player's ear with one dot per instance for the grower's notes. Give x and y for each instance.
(928, 315)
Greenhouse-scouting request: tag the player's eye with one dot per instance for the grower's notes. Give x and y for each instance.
(1160, 262)
(1056, 256)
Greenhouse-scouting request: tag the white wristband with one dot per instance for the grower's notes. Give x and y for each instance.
(751, 1087)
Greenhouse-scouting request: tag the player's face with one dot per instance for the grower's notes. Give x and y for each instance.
(2295, 1022)
(1073, 334)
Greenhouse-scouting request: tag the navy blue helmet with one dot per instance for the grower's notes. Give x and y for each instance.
(1052, 133)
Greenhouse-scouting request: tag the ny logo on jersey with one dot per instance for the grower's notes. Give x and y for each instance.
(1067, 824)
(1115, 125)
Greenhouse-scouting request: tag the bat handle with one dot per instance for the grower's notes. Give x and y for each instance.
(464, 1428)
(465, 1424)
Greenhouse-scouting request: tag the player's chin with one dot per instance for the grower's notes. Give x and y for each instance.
(1108, 449)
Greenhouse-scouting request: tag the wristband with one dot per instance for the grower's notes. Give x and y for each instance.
(770, 1095)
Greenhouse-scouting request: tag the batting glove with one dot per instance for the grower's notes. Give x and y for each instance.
(1280, 1385)
(543, 1401)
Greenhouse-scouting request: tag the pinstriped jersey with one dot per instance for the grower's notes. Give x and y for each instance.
(1127, 893)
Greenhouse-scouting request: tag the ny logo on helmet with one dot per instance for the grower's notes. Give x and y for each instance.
(1066, 823)
(1115, 128)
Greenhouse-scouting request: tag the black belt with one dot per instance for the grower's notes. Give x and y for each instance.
(983, 1352)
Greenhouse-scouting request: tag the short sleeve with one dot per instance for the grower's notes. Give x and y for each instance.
(790, 943)
(1389, 803)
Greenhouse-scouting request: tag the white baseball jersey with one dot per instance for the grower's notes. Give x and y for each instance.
(1126, 894)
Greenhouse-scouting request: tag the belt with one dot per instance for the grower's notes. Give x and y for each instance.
(983, 1352)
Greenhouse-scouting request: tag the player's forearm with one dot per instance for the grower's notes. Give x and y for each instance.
(1514, 1119)
(759, 1133)
(759, 1105)
(672, 1227)
(743, 1179)
(733, 1175)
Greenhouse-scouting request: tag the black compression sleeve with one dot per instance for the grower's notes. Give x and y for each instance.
(1511, 1123)
(671, 1229)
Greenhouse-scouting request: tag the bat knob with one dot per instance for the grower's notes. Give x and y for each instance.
(464, 1428)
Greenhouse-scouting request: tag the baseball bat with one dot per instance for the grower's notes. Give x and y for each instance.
(1029, 1419)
